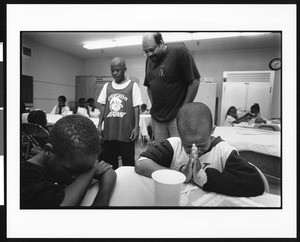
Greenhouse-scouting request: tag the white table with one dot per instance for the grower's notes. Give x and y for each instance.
(145, 121)
(257, 140)
(134, 190)
(53, 118)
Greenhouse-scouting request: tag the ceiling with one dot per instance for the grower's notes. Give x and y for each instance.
(72, 42)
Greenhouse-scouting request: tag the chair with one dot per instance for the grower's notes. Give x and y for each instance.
(33, 137)
(266, 183)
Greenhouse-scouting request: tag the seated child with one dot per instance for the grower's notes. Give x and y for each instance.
(144, 109)
(230, 117)
(82, 108)
(61, 108)
(94, 112)
(39, 117)
(253, 116)
(213, 165)
(61, 174)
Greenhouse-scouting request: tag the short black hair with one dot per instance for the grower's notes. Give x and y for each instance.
(63, 98)
(81, 100)
(194, 119)
(74, 134)
(255, 107)
(37, 117)
(90, 100)
(229, 109)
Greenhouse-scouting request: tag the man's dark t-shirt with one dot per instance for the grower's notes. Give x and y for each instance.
(168, 80)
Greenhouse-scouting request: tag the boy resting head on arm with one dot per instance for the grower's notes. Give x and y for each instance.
(60, 175)
(208, 161)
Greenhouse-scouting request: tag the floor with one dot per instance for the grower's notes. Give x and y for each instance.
(140, 146)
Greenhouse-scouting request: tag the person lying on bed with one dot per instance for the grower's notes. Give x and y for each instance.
(60, 175)
(214, 165)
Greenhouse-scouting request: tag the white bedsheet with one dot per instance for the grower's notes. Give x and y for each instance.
(257, 140)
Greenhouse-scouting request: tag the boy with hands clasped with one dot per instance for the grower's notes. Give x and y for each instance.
(212, 164)
(61, 174)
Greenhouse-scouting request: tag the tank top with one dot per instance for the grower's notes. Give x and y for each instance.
(118, 113)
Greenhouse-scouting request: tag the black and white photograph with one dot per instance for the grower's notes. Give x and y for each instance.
(136, 122)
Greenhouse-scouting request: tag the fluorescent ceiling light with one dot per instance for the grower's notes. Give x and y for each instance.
(100, 44)
(216, 35)
(167, 36)
(109, 43)
(176, 37)
(134, 40)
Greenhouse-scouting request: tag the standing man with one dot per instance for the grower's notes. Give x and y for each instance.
(172, 79)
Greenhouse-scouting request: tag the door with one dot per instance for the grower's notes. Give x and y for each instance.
(85, 87)
(207, 93)
(98, 88)
(233, 94)
(261, 93)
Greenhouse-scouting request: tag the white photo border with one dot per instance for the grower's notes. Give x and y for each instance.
(138, 223)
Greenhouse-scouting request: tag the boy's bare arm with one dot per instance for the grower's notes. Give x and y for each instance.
(107, 183)
(146, 166)
(75, 192)
(135, 132)
(101, 117)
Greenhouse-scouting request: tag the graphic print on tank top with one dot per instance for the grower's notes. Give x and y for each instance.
(116, 105)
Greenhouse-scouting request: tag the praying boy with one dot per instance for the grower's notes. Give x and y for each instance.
(214, 165)
(60, 175)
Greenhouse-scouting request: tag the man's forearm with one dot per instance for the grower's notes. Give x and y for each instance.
(149, 94)
(192, 91)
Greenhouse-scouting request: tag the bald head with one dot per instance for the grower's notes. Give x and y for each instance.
(194, 119)
(152, 38)
(118, 61)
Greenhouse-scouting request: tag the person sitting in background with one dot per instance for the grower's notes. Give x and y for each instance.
(24, 110)
(213, 164)
(230, 117)
(39, 117)
(94, 112)
(61, 108)
(83, 108)
(61, 174)
(144, 109)
(253, 116)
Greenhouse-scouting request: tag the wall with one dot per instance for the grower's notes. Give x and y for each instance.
(212, 64)
(135, 67)
(53, 74)
(54, 71)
